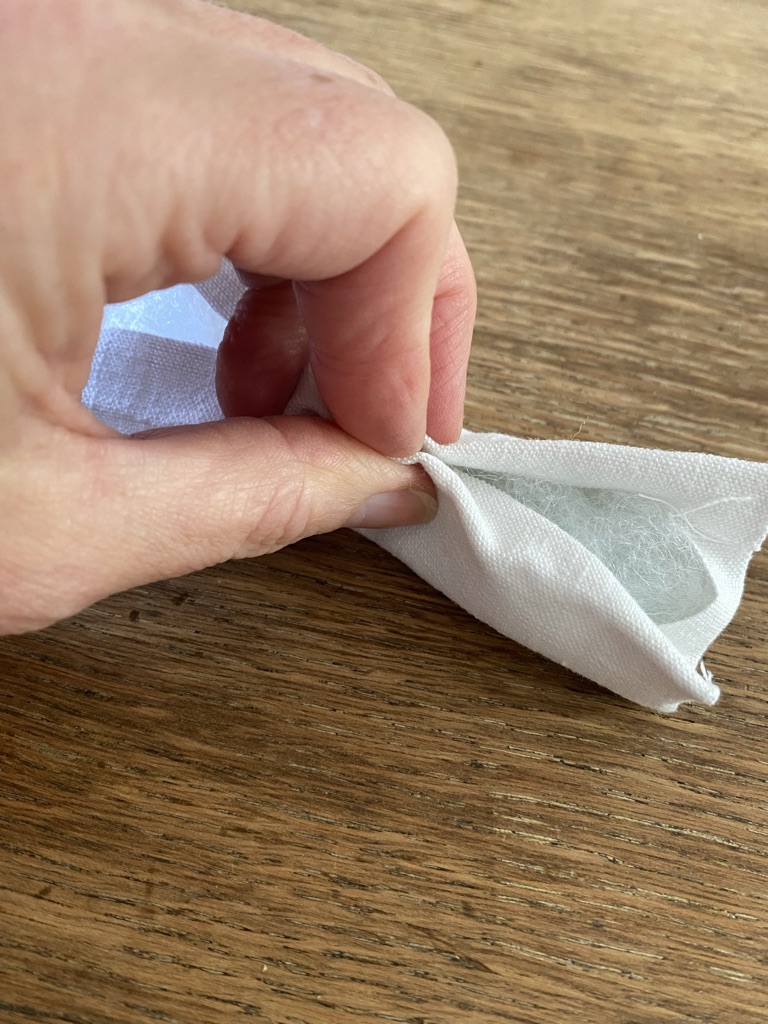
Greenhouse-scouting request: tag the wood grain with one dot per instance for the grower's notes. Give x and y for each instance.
(308, 789)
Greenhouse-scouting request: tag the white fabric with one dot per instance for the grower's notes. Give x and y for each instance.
(620, 563)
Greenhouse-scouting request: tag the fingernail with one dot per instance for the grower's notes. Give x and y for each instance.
(395, 508)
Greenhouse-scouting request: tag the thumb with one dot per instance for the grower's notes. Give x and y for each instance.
(119, 512)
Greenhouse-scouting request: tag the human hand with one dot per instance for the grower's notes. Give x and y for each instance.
(143, 140)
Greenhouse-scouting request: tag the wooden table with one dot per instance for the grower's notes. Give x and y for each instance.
(308, 789)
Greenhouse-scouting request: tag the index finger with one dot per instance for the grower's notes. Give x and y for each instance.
(454, 301)
(297, 173)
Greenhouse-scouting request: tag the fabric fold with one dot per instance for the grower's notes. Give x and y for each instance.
(622, 564)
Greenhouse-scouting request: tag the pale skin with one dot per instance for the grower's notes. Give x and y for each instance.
(142, 142)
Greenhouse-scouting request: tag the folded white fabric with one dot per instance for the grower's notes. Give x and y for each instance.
(620, 563)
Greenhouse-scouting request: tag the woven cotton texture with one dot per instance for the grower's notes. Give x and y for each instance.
(683, 529)
(621, 563)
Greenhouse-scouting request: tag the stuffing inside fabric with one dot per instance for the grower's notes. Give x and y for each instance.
(646, 543)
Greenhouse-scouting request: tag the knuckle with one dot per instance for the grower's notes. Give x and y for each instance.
(284, 517)
(282, 509)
